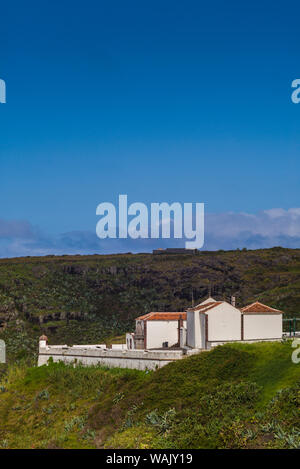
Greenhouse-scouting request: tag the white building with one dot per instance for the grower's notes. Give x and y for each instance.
(157, 330)
(214, 322)
(206, 325)
(260, 322)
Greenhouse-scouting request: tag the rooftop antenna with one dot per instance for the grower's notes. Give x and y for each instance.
(192, 297)
(209, 291)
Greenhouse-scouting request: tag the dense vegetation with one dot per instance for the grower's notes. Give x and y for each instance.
(236, 396)
(77, 299)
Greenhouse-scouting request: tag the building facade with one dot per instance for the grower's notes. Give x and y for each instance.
(214, 323)
(157, 330)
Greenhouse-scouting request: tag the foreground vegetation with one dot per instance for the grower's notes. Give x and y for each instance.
(235, 396)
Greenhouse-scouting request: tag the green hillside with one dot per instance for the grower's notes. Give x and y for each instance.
(236, 396)
(84, 299)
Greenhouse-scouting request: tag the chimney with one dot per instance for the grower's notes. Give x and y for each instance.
(43, 341)
(233, 301)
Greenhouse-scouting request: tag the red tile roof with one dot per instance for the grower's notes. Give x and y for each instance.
(206, 306)
(163, 316)
(258, 307)
(254, 308)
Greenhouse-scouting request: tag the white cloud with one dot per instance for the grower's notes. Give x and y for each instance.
(265, 229)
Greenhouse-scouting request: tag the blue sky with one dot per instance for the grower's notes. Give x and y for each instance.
(163, 101)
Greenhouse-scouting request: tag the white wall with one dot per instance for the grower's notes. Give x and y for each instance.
(119, 346)
(262, 326)
(137, 359)
(202, 323)
(224, 323)
(196, 329)
(182, 337)
(162, 331)
(190, 333)
(130, 340)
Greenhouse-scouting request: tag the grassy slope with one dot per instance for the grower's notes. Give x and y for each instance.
(234, 396)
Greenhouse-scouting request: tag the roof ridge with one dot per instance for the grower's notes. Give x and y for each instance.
(163, 314)
(206, 306)
(262, 305)
(248, 306)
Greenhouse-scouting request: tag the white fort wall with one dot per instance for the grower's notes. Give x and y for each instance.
(137, 359)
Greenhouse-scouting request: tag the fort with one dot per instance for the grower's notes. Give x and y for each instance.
(163, 337)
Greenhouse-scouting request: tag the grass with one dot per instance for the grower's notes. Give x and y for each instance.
(274, 368)
(235, 396)
(112, 339)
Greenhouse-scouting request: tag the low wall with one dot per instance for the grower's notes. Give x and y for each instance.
(137, 359)
(210, 344)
